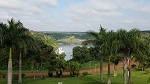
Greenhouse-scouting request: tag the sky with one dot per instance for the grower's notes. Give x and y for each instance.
(77, 15)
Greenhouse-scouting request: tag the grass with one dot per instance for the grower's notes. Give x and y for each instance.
(92, 64)
(85, 66)
(138, 77)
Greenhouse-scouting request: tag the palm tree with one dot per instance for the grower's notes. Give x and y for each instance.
(109, 44)
(13, 34)
(129, 45)
(98, 40)
(112, 48)
(3, 28)
(135, 37)
(24, 41)
(122, 36)
(143, 51)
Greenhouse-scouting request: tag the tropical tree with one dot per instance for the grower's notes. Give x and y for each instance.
(3, 50)
(81, 54)
(98, 40)
(129, 44)
(142, 56)
(13, 33)
(111, 47)
(24, 41)
(123, 38)
(110, 42)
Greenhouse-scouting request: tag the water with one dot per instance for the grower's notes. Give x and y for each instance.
(68, 49)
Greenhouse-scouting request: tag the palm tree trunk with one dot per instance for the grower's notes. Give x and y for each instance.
(115, 70)
(20, 68)
(9, 80)
(101, 69)
(124, 69)
(130, 73)
(109, 82)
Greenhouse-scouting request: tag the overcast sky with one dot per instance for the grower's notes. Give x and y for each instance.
(77, 15)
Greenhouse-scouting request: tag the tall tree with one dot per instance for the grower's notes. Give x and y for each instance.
(122, 36)
(142, 56)
(112, 45)
(24, 41)
(98, 40)
(134, 39)
(129, 44)
(11, 36)
(110, 42)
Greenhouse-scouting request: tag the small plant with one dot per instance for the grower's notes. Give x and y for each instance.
(85, 73)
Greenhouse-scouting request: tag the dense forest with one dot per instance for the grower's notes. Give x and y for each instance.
(79, 35)
(62, 35)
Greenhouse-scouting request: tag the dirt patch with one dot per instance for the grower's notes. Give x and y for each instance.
(105, 68)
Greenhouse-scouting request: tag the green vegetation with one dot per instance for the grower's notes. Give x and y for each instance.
(71, 39)
(48, 40)
(81, 54)
(91, 64)
(139, 77)
(20, 43)
(128, 43)
(61, 35)
(22, 49)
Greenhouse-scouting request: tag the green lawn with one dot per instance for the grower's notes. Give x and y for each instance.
(92, 64)
(139, 77)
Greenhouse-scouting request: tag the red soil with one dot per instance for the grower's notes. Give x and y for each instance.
(120, 65)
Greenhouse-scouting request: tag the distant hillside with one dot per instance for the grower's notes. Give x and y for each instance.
(146, 31)
(71, 39)
(62, 35)
(49, 40)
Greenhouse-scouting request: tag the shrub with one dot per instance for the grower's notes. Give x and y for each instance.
(50, 74)
(133, 65)
(15, 76)
(3, 75)
(74, 73)
(147, 70)
(73, 68)
(85, 73)
(23, 75)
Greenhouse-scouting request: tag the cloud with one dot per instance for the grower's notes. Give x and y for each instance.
(43, 2)
(28, 11)
(141, 6)
(77, 15)
(113, 14)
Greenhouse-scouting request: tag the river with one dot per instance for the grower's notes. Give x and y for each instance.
(68, 49)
